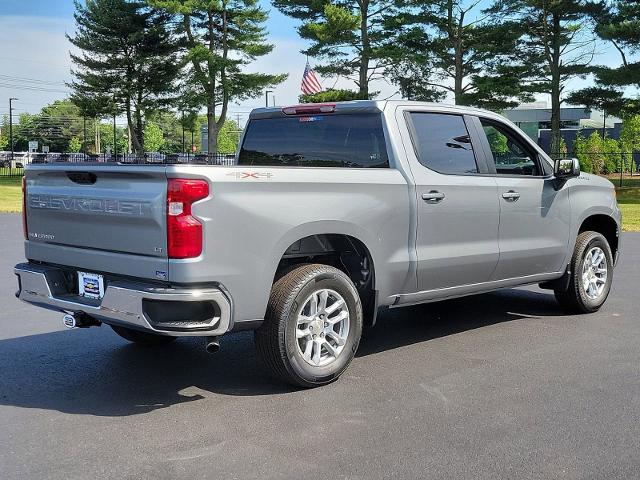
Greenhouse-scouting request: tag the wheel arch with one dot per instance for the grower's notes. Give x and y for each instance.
(344, 248)
(606, 225)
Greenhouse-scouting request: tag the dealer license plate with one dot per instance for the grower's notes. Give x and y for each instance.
(90, 285)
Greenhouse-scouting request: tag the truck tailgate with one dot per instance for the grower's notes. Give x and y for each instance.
(106, 218)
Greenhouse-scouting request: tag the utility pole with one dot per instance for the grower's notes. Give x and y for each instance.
(266, 97)
(11, 124)
(115, 146)
(183, 145)
(84, 135)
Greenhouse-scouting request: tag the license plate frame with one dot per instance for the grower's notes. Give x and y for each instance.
(90, 285)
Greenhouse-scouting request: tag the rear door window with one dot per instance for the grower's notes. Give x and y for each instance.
(442, 143)
(347, 140)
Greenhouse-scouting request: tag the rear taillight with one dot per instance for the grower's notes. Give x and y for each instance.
(24, 208)
(184, 232)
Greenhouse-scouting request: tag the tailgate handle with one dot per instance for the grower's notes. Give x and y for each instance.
(84, 178)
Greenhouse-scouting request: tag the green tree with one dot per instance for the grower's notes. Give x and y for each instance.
(106, 135)
(557, 44)
(612, 154)
(619, 23)
(229, 136)
(169, 125)
(440, 47)
(153, 137)
(75, 144)
(595, 151)
(330, 95)
(4, 133)
(346, 35)
(580, 151)
(630, 140)
(127, 61)
(608, 100)
(55, 126)
(222, 38)
(598, 155)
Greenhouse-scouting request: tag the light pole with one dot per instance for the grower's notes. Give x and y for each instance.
(11, 124)
(266, 97)
(183, 144)
(84, 135)
(115, 145)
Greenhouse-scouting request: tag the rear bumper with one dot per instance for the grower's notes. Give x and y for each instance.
(131, 304)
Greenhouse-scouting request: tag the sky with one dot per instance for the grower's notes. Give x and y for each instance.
(35, 63)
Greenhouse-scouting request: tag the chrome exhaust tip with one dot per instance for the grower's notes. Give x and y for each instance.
(69, 321)
(79, 320)
(212, 344)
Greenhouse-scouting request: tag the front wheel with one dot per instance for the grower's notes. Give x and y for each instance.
(591, 275)
(312, 327)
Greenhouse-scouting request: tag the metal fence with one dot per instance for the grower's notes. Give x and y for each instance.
(14, 165)
(606, 163)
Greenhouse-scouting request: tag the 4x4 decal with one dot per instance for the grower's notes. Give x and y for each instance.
(256, 175)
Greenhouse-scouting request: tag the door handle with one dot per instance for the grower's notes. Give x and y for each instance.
(511, 196)
(433, 196)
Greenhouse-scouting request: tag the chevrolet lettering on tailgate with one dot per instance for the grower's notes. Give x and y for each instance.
(84, 204)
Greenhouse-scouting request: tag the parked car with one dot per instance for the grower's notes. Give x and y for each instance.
(17, 161)
(332, 213)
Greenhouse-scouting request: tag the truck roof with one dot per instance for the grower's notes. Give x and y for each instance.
(365, 106)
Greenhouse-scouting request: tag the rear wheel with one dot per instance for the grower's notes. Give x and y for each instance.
(591, 275)
(142, 338)
(312, 327)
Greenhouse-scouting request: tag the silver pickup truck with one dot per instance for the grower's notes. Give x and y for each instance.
(331, 213)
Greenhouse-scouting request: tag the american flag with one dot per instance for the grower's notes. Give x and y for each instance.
(310, 82)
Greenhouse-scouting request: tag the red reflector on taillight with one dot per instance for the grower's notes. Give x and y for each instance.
(310, 108)
(24, 209)
(184, 231)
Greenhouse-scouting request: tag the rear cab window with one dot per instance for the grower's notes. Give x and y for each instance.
(353, 140)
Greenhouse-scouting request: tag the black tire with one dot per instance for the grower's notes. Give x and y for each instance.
(575, 299)
(142, 338)
(276, 339)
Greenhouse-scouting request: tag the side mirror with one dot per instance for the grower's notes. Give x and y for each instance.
(565, 168)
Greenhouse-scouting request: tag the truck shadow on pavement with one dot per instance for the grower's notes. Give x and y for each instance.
(94, 372)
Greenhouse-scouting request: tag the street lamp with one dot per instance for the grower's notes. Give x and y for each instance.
(266, 97)
(11, 124)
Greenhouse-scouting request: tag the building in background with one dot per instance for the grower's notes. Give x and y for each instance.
(535, 120)
(533, 117)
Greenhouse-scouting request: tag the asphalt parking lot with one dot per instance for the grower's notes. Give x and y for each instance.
(501, 385)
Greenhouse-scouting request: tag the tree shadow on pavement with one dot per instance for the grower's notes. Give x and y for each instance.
(94, 372)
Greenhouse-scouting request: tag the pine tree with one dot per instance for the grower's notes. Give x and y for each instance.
(608, 100)
(346, 35)
(557, 44)
(127, 61)
(222, 38)
(619, 24)
(448, 47)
